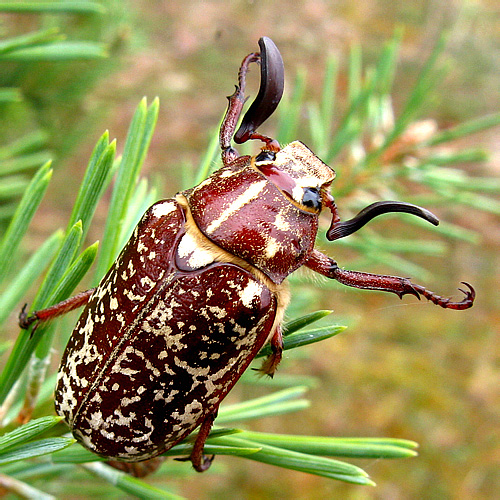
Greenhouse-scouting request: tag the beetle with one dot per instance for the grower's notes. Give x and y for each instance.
(200, 288)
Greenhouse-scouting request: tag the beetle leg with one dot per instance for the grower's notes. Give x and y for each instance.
(236, 102)
(200, 461)
(271, 363)
(400, 286)
(138, 469)
(51, 312)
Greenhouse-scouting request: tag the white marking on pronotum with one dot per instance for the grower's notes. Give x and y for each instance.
(227, 173)
(250, 194)
(281, 223)
(272, 247)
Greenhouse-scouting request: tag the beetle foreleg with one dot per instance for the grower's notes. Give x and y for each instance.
(236, 102)
(400, 286)
(445, 302)
(51, 312)
(200, 461)
(271, 363)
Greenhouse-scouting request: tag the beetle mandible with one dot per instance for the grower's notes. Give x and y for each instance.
(200, 288)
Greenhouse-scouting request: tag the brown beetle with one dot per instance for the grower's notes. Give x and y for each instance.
(199, 289)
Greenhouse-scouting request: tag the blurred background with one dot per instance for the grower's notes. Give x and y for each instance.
(403, 369)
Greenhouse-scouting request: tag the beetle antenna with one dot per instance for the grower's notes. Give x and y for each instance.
(272, 82)
(272, 77)
(342, 229)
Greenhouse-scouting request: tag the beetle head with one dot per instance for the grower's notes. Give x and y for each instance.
(298, 173)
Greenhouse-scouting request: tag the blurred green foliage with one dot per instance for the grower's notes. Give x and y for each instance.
(52, 54)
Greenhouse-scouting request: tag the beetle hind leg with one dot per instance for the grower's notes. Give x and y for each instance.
(200, 461)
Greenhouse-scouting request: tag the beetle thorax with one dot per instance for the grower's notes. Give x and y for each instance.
(256, 211)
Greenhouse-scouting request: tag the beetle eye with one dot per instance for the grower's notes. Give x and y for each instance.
(266, 156)
(312, 198)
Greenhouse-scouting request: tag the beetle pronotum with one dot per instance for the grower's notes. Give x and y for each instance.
(200, 288)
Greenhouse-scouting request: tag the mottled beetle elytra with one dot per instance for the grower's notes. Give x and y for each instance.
(200, 288)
